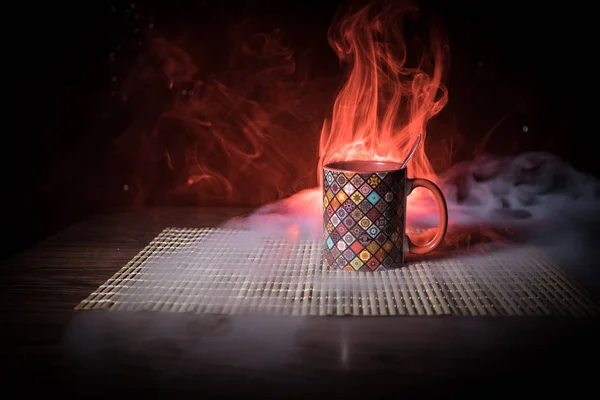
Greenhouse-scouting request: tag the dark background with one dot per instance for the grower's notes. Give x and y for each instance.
(512, 65)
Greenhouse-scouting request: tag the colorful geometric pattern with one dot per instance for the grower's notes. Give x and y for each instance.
(364, 219)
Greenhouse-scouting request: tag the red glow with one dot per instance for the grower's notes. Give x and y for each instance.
(249, 133)
(385, 103)
(293, 232)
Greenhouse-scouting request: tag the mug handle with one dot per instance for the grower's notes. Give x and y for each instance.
(442, 209)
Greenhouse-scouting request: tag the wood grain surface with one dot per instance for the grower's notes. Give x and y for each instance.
(48, 347)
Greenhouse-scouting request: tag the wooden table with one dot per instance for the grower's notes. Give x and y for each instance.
(50, 347)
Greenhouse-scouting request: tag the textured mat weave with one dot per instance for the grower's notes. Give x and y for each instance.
(228, 271)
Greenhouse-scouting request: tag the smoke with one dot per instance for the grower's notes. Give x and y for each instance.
(241, 134)
(540, 198)
(521, 192)
(302, 211)
(534, 198)
(530, 188)
(543, 200)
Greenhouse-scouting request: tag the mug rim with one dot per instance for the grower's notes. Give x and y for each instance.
(361, 166)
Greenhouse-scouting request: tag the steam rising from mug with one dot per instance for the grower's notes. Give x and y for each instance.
(536, 196)
(514, 191)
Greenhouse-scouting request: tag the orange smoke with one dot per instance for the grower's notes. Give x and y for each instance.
(248, 134)
(241, 135)
(385, 103)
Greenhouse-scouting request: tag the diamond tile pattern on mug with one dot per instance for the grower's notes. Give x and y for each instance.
(363, 219)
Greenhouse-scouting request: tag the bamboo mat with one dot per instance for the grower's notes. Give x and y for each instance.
(212, 270)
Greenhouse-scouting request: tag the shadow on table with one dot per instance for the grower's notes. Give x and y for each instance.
(167, 354)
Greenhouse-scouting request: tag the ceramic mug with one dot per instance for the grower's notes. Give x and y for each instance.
(365, 215)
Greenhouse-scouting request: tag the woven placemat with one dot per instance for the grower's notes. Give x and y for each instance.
(211, 270)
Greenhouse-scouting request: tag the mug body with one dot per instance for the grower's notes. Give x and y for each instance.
(364, 205)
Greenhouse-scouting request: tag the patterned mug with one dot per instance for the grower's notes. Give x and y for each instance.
(365, 215)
